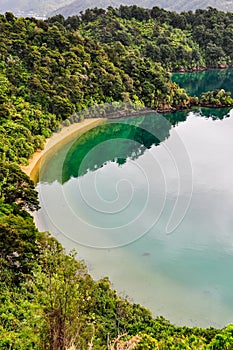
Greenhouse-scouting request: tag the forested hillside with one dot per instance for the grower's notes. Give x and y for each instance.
(50, 71)
(188, 40)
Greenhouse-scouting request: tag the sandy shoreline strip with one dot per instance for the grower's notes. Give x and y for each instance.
(66, 133)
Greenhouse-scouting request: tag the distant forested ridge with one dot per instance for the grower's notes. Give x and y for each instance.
(35, 7)
(74, 7)
(50, 71)
(77, 6)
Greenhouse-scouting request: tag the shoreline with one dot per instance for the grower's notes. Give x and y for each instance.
(199, 69)
(65, 134)
(68, 132)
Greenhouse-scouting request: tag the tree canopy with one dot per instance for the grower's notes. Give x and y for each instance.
(50, 71)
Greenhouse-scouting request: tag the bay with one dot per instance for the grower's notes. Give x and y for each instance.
(148, 201)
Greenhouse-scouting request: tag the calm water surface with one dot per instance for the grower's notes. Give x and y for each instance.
(148, 201)
(197, 82)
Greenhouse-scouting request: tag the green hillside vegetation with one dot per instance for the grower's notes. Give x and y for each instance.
(49, 72)
(179, 41)
(217, 98)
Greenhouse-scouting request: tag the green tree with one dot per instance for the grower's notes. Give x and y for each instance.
(17, 188)
(59, 288)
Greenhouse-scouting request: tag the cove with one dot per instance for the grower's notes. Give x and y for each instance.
(148, 202)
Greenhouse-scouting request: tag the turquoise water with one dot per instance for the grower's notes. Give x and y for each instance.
(197, 82)
(148, 201)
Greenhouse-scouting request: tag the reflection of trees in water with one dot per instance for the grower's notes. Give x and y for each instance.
(215, 114)
(197, 82)
(124, 139)
(120, 140)
(114, 141)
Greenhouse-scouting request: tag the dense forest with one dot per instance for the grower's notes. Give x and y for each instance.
(50, 71)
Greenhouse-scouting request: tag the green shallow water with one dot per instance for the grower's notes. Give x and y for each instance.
(148, 201)
(197, 82)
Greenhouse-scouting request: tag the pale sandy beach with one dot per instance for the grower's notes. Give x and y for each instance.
(66, 134)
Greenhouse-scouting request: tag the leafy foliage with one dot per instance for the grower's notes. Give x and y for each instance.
(60, 306)
(52, 69)
(16, 188)
(49, 71)
(217, 98)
